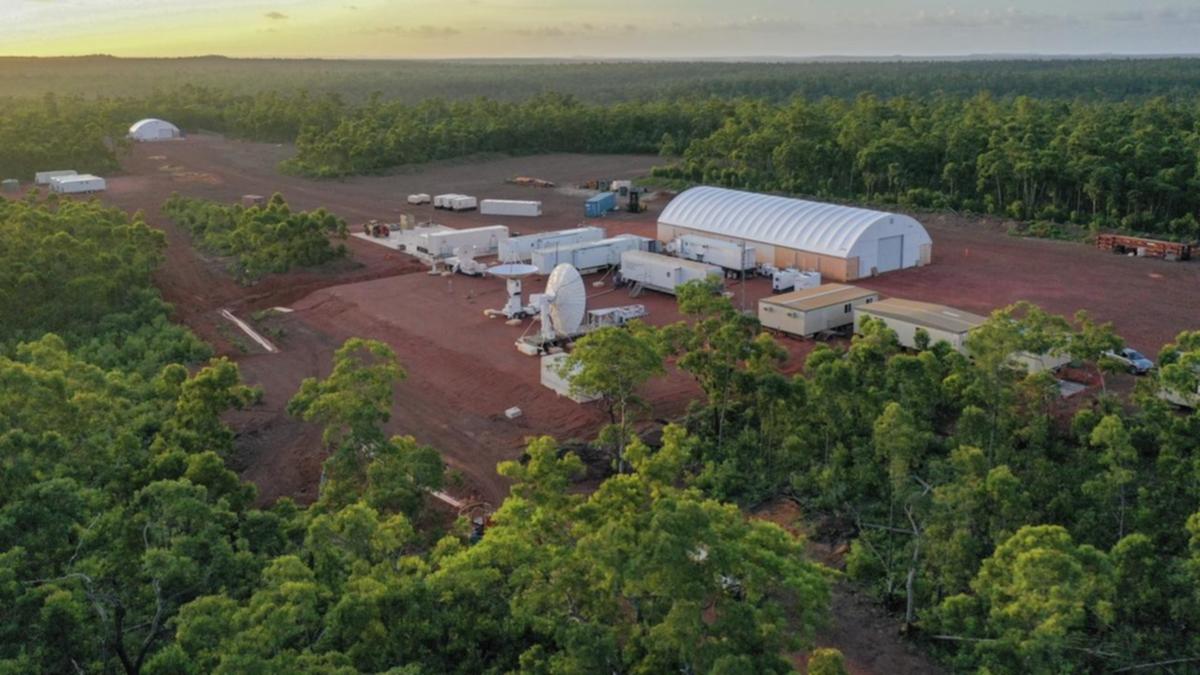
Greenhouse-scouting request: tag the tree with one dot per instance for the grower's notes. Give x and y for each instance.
(352, 403)
(614, 363)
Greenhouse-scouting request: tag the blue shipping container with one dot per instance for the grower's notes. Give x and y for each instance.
(600, 204)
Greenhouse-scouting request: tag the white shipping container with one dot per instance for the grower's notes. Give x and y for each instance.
(419, 198)
(480, 241)
(77, 184)
(522, 247)
(462, 203)
(727, 254)
(510, 207)
(44, 177)
(663, 272)
(589, 256)
(443, 201)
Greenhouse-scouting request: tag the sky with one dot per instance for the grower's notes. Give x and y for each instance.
(595, 29)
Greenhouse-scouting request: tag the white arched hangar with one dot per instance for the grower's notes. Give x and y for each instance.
(843, 243)
(154, 130)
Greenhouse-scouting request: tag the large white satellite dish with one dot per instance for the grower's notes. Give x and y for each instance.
(564, 303)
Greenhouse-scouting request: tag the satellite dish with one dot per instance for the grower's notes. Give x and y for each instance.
(566, 301)
(512, 270)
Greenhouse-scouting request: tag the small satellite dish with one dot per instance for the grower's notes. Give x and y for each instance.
(512, 270)
(567, 301)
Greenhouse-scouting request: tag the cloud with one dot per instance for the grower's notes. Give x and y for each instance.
(759, 24)
(423, 31)
(541, 32)
(1161, 15)
(276, 16)
(1009, 18)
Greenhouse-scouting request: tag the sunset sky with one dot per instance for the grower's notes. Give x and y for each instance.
(610, 28)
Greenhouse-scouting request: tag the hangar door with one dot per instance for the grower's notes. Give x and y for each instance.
(891, 254)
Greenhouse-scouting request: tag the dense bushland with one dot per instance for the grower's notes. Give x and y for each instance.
(261, 239)
(83, 271)
(1009, 534)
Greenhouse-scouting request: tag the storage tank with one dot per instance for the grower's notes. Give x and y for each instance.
(510, 207)
(600, 204)
(522, 247)
(662, 272)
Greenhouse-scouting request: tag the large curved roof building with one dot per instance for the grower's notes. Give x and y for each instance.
(154, 130)
(843, 243)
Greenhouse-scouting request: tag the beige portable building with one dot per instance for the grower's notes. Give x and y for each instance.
(942, 323)
(843, 243)
(812, 310)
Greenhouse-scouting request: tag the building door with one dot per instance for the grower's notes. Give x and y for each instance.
(891, 254)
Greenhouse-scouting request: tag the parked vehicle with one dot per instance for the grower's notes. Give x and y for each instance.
(1132, 359)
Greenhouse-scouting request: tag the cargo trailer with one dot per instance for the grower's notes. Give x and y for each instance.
(480, 241)
(522, 248)
(600, 204)
(664, 273)
(81, 184)
(729, 255)
(809, 311)
(510, 207)
(44, 177)
(589, 256)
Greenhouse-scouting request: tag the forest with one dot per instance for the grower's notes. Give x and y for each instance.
(131, 546)
(1011, 534)
(965, 488)
(1061, 164)
(597, 81)
(260, 239)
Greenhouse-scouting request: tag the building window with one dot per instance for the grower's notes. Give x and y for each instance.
(846, 308)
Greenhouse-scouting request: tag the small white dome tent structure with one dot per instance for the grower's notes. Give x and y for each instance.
(152, 129)
(843, 243)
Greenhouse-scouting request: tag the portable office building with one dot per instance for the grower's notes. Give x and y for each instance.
(942, 323)
(662, 272)
(812, 310)
(600, 204)
(522, 247)
(44, 177)
(510, 207)
(841, 242)
(78, 184)
(589, 256)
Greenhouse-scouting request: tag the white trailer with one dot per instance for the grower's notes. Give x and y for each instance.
(44, 177)
(733, 256)
(553, 378)
(419, 198)
(71, 185)
(462, 203)
(662, 272)
(479, 241)
(589, 256)
(510, 207)
(521, 248)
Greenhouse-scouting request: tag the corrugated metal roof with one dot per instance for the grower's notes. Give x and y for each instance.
(925, 314)
(817, 297)
(830, 229)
